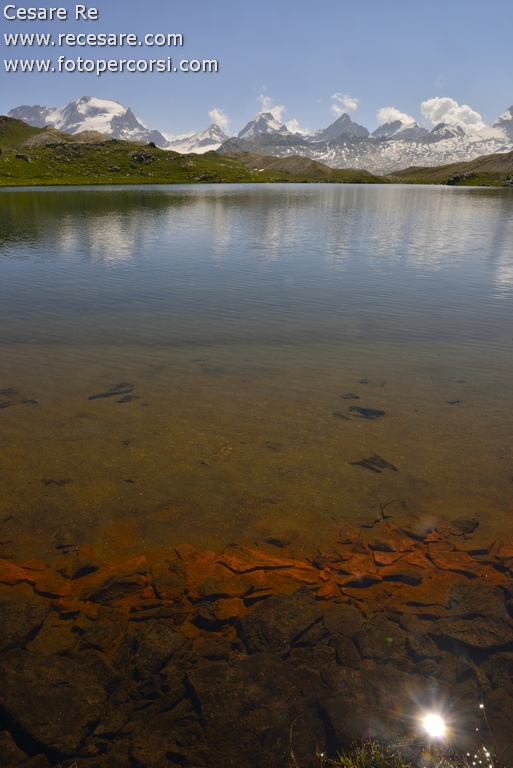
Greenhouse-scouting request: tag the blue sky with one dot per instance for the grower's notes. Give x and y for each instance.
(297, 55)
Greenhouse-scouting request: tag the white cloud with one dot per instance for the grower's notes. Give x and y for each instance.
(390, 114)
(446, 110)
(265, 101)
(267, 106)
(294, 127)
(220, 118)
(343, 103)
(277, 112)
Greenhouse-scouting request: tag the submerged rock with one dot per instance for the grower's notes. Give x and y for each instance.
(118, 389)
(10, 397)
(277, 622)
(380, 639)
(156, 644)
(479, 633)
(169, 579)
(249, 707)
(368, 702)
(465, 525)
(375, 463)
(125, 579)
(54, 699)
(77, 564)
(10, 754)
(366, 413)
(278, 542)
(21, 615)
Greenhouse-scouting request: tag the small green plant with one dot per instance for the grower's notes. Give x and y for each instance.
(370, 753)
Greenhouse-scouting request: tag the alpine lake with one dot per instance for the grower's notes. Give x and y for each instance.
(251, 363)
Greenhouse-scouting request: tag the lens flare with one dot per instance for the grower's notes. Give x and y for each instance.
(434, 725)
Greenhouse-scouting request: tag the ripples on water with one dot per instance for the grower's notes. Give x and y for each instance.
(241, 315)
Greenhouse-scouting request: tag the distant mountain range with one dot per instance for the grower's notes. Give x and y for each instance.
(343, 144)
(390, 147)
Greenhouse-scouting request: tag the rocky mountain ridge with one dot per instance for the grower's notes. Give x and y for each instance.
(342, 124)
(399, 130)
(262, 122)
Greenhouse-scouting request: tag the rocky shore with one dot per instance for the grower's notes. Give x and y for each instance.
(210, 658)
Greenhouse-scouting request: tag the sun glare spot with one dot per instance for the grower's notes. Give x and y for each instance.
(434, 725)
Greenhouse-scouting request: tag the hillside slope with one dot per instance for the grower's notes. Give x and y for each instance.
(303, 168)
(114, 162)
(50, 136)
(13, 132)
(488, 170)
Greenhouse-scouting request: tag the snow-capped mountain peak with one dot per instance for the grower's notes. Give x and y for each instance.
(399, 130)
(502, 128)
(444, 131)
(262, 122)
(90, 114)
(105, 116)
(87, 113)
(204, 141)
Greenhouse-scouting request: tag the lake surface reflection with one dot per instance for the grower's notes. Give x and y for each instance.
(237, 318)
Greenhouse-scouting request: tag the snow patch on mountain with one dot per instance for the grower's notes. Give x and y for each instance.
(399, 130)
(443, 131)
(502, 128)
(204, 141)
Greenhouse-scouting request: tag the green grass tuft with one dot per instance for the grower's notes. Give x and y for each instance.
(370, 753)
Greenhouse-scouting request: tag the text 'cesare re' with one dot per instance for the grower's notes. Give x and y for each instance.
(15, 13)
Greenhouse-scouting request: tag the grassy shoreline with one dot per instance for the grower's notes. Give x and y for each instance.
(119, 163)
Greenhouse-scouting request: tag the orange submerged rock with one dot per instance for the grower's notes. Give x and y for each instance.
(11, 574)
(242, 561)
(459, 562)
